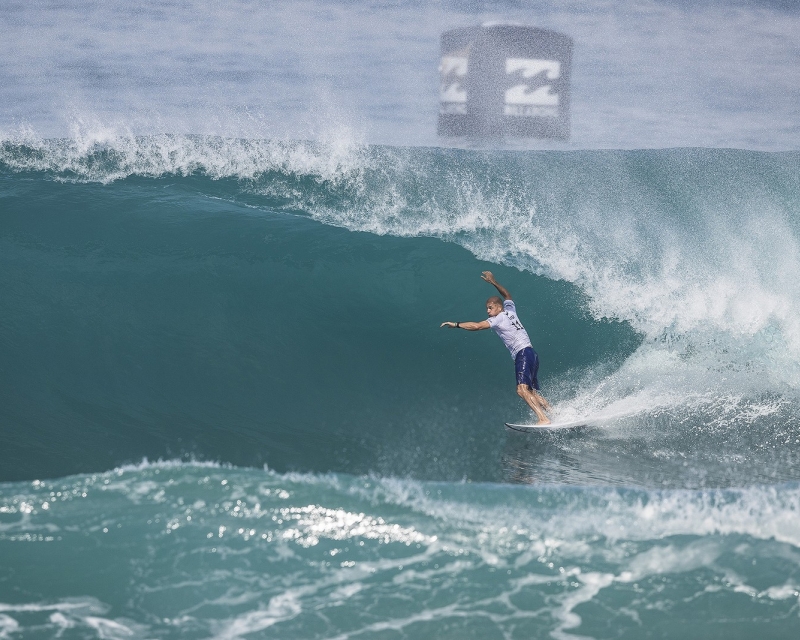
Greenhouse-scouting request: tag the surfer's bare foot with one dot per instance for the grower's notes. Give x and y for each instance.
(545, 421)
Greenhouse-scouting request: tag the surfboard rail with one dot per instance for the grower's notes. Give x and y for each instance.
(553, 426)
(585, 422)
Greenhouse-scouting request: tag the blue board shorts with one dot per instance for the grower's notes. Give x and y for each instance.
(526, 363)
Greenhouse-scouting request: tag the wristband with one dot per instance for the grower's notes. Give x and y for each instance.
(458, 325)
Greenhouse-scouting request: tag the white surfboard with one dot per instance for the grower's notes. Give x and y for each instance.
(588, 421)
(553, 426)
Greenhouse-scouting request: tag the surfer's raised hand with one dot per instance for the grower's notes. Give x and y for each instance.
(489, 277)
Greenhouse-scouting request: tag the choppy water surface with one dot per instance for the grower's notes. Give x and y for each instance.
(175, 550)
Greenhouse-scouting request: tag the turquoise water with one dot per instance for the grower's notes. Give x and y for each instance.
(227, 410)
(190, 551)
(262, 319)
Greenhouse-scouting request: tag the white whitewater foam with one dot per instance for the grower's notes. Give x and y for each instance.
(339, 154)
(713, 289)
(280, 608)
(763, 513)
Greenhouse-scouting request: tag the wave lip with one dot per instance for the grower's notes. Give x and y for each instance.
(107, 155)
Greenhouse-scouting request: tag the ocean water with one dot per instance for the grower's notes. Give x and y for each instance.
(260, 320)
(228, 237)
(646, 73)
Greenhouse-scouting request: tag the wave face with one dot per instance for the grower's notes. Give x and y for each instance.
(258, 302)
(266, 315)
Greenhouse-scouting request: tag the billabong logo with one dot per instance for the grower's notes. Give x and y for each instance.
(452, 95)
(528, 99)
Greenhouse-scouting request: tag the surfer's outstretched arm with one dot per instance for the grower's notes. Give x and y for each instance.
(469, 326)
(487, 275)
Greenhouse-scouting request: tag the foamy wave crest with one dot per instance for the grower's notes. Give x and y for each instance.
(699, 250)
(554, 513)
(169, 464)
(104, 153)
(660, 251)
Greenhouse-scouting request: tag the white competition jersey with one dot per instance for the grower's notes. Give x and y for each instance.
(506, 325)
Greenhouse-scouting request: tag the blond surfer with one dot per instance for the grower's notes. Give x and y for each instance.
(504, 322)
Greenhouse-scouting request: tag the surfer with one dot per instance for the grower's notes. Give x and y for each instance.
(504, 322)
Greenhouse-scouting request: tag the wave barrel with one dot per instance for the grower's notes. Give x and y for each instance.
(501, 80)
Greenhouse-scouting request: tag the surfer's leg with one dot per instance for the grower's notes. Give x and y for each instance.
(534, 385)
(542, 401)
(532, 400)
(526, 364)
